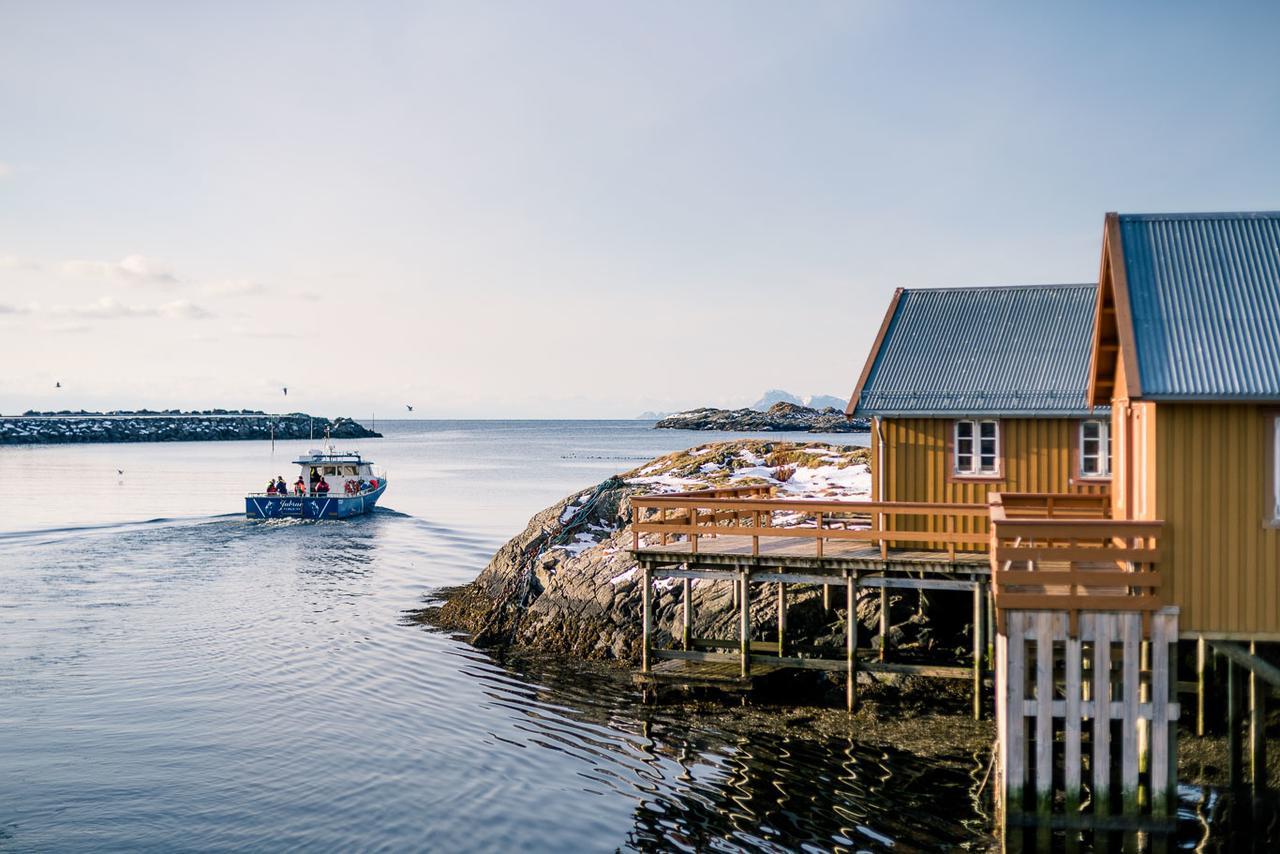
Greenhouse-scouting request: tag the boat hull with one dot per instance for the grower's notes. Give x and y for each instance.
(311, 506)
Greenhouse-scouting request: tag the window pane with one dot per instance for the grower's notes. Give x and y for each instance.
(989, 430)
(964, 429)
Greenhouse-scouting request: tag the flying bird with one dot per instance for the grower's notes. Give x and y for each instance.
(286, 391)
(57, 385)
(119, 471)
(408, 407)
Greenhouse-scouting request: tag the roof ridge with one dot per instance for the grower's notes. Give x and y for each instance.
(1157, 217)
(959, 288)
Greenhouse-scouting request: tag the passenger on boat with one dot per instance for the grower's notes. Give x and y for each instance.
(373, 484)
(271, 487)
(300, 486)
(349, 487)
(322, 488)
(282, 488)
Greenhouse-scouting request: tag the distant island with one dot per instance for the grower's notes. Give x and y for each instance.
(144, 425)
(780, 417)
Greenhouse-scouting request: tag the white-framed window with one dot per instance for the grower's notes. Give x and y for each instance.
(977, 447)
(1095, 448)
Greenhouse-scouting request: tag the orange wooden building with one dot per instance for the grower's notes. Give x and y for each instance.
(1186, 349)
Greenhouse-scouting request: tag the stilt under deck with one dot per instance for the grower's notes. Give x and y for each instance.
(737, 664)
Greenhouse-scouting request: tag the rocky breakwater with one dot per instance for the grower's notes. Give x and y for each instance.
(568, 585)
(781, 417)
(67, 427)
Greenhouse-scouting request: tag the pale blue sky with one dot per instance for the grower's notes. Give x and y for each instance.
(573, 209)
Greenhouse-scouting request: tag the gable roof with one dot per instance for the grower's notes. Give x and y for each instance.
(1020, 350)
(1192, 302)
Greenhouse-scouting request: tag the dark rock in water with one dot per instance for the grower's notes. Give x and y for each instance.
(46, 429)
(782, 416)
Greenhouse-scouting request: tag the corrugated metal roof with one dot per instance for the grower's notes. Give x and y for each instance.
(1205, 295)
(1021, 350)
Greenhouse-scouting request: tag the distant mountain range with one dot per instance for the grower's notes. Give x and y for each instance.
(816, 401)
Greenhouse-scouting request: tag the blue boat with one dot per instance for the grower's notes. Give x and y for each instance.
(331, 485)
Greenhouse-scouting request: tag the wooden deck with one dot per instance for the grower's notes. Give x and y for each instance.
(838, 555)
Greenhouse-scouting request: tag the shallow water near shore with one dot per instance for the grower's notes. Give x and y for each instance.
(173, 676)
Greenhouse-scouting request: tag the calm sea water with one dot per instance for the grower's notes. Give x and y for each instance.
(175, 677)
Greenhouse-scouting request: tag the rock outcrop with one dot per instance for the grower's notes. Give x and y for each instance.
(47, 429)
(781, 417)
(567, 583)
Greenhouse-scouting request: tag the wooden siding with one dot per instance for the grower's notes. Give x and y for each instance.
(1036, 455)
(1221, 562)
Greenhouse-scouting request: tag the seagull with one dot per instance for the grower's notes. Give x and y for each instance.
(286, 391)
(408, 407)
(57, 385)
(119, 471)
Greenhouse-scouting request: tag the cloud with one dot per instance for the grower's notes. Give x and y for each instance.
(234, 287)
(5, 308)
(5, 170)
(66, 328)
(136, 269)
(112, 308)
(303, 293)
(13, 262)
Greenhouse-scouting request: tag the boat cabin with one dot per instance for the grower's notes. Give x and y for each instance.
(337, 468)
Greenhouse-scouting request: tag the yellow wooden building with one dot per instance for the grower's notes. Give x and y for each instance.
(1186, 349)
(979, 390)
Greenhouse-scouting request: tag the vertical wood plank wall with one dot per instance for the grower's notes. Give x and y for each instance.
(1222, 563)
(1038, 455)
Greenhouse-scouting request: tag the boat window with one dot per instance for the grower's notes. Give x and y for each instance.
(349, 471)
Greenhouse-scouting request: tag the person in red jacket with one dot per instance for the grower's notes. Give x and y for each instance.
(322, 488)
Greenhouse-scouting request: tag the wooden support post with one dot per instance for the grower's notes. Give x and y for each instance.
(1234, 712)
(744, 620)
(851, 642)
(977, 652)
(826, 597)
(646, 616)
(990, 609)
(1012, 712)
(686, 613)
(1132, 633)
(782, 616)
(1071, 768)
(1104, 629)
(1044, 711)
(1201, 655)
(1163, 743)
(1257, 728)
(884, 620)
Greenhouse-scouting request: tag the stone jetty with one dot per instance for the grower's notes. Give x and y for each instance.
(36, 428)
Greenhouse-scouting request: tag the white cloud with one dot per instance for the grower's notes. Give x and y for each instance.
(112, 308)
(136, 269)
(5, 170)
(184, 309)
(68, 327)
(234, 287)
(13, 262)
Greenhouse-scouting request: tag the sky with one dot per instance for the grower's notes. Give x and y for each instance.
(573, 210)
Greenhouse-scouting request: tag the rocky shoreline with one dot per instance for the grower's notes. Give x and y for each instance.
(65, 428)
(781, 417)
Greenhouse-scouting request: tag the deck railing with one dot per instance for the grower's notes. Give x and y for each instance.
(757, 512)
(1065, 553)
